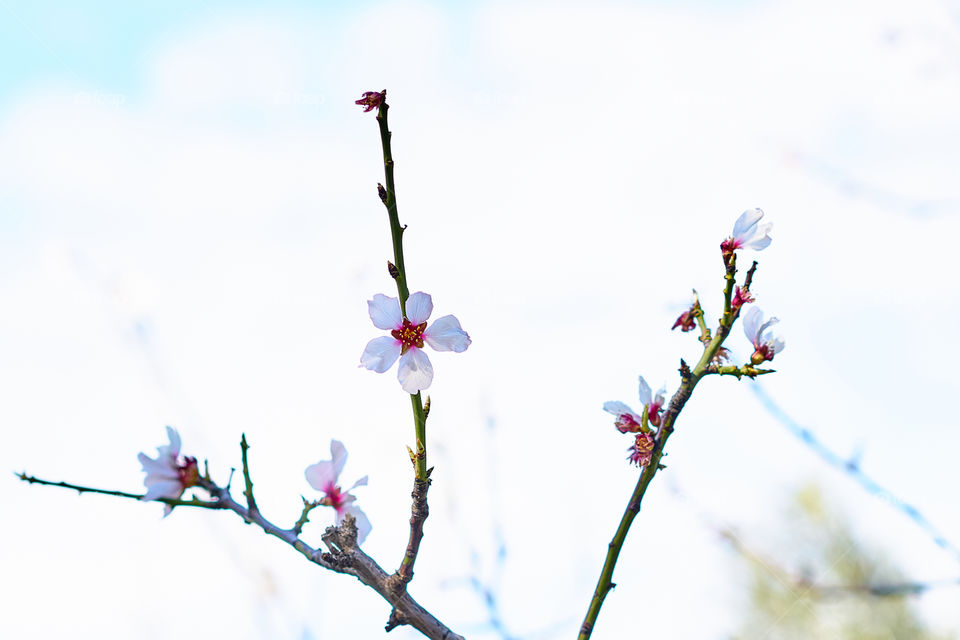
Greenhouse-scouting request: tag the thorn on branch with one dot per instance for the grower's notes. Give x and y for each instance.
(395, 620)
(749, 279)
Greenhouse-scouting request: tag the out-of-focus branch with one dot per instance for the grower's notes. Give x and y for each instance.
(728, 533)
(851, 467)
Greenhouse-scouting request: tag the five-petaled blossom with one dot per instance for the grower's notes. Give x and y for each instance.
(641, 451)
(630, 422)
(748, 233)
(370, 100)
(407, 337)
(323, 476)
(168, 475)
(765, 346)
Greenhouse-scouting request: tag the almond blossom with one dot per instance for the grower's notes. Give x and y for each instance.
(765, 345)
(168, 475)
(748, 233)
(630, 422)
(407, 337)
(323, 476)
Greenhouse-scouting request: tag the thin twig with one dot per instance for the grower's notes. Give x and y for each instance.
(343, 555)
(689, 380)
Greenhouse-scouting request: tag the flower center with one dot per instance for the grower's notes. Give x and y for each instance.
(188, 473)
(334, 498)
(763, 353)
(409, 335)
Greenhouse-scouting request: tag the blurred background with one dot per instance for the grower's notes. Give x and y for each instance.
(189, 232)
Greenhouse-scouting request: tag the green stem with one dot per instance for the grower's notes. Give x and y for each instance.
(173, 502)
(389, 197)
(689, 382)
(247, 482)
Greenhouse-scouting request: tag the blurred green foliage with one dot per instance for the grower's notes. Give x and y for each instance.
(787, 603)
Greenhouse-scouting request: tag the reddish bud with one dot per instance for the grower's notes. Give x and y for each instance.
(687, 320)
(371, 100)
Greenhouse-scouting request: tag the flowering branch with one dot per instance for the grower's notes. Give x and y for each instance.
(747, 233)
(421, 484)
(343, 554)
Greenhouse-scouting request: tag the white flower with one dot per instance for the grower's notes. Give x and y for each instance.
(765, 346)
(748, 233)
(323, 476)
(406, 339)
(167, 476)
(627, 420)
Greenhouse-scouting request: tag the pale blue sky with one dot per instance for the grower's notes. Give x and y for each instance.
(190, 234)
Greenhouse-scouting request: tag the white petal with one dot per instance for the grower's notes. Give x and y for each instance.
(338, 454)
(747, 219)
(419, 307)
(618, 409)
(174, 437)
(778, 345)
(750, 323)
(363, 523)
(445, 334)
(766, 325)
(321, 476)
(415, 371)
(760, 240)
(646, 395)
(165, 489)
(384, 312)
(362, 482)
(159, 467)
(380, 354)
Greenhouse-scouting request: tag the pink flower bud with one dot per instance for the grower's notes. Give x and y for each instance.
(371, 100)
(687, 320)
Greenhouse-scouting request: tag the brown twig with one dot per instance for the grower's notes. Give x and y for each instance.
(419, 511)
(343, 555)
